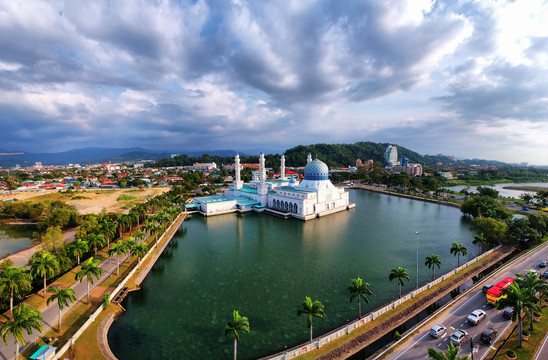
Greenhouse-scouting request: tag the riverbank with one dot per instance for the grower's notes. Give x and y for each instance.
(407, 196)
(526, 188)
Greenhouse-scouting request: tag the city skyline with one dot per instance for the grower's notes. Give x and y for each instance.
(459, 78)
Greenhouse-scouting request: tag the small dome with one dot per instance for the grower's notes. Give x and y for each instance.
(316, 170)
(292, 180)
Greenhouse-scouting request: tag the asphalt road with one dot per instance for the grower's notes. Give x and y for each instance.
(454, 317)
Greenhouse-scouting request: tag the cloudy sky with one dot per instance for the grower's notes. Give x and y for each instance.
(465, 78)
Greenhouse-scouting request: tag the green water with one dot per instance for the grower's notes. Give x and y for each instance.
(14, 238)
(264, 267)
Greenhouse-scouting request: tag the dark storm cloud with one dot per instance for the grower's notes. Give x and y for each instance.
(505, 91)
(214, 73)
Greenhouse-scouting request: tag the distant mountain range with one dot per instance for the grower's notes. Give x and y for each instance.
(332, 154)
(93, 155)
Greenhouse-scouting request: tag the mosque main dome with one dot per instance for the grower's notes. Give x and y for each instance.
(316, 170)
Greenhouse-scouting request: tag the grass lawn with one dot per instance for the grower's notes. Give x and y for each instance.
(72, 321)
(530, 346)
(87, 346)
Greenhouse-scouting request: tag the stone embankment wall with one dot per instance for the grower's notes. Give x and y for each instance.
(346, 329)
(166, 238)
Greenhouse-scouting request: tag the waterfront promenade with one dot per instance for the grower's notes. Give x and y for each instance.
(50, 313)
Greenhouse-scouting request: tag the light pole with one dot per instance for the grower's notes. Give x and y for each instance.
(416, 232)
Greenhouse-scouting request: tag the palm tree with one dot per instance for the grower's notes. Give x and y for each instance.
(24, 318)
(44, 265)
(479, 240)
(119, 248)
(452, 353)
(139, 235)
(95, 241)
(62, 296)
(78, 248)
(139, 250)
(400, 274)
(109, 229)
(433, 261)
(14, 281)
(359, 289)
(238, 323)
(311, 309)
(88, 270)
(531, 282)
(518, 299)
(458, 249)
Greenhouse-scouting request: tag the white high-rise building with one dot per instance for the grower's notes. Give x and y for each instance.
(391, 155)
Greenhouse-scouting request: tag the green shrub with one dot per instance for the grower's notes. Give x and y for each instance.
(511, 353)
(124, 197)
(525, 332)
(106, 301)
(396, 336)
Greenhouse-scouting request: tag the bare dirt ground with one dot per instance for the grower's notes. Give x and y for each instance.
(95, 201)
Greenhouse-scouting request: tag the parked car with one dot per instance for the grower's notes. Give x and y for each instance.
(542, 264)
(476, 316)
(486, 287)
(489, 335)
(438, 331)
(507, 314)
(458, 337)
(545, 274)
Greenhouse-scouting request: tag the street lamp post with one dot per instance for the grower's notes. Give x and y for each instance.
(416, 232)
(472, 347)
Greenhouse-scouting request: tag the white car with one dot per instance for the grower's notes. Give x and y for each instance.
(458, 337)
(476, 316)
(437, 331)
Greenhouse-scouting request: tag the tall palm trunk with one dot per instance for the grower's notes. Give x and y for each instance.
(359, 307)
(399, 289)
(235, 348)
(16, 349)
(310, 332)
(59, 320)
(519, 329)
(11, 305)
(44, 286)
(117, 264)
(531, 317)
(88, 291)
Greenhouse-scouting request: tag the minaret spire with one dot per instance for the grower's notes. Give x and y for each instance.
(262, 188)
(282, 167)
(237, 180)
(309, 158)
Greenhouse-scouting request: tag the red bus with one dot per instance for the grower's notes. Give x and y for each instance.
(495, 293)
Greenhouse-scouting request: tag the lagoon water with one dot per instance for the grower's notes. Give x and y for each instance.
(14, 238)
(264, 267)
(513, 193)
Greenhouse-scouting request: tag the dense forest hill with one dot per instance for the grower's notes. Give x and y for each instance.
(335, 155)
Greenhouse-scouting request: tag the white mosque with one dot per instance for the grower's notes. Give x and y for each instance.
(313, 197)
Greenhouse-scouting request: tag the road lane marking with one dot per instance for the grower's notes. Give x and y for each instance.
(415, 343)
